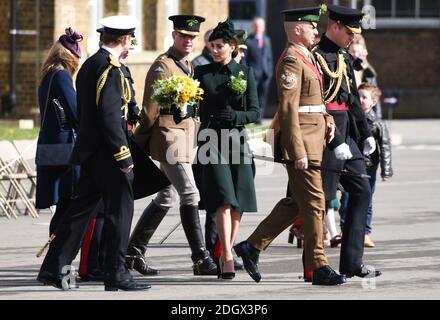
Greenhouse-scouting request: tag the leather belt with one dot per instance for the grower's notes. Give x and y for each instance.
(309, 109)
(333, 106)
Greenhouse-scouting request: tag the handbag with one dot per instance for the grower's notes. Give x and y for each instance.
(57, 154)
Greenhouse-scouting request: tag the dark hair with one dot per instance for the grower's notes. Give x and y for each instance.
(235, 42)
(108, 38)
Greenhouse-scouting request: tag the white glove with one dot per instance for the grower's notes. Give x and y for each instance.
(369, 146)
(342, 152)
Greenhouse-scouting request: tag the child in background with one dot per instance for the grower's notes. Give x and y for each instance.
(369, 95)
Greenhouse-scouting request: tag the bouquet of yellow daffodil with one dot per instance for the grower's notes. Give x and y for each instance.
(177, 90)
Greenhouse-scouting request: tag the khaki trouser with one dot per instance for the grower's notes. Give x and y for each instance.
(182, 185)
(309, 203)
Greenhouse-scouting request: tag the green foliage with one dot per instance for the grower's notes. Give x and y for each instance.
(14, 133)
(238, 84)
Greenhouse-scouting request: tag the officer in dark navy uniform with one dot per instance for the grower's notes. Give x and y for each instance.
(102, 150)
(92, 249)
(353, 139)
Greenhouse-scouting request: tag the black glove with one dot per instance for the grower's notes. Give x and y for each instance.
(133, 114)
(357, 64)
(227, 115)
(177, 116)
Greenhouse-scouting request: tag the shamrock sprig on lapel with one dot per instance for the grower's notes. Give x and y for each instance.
(238, 84)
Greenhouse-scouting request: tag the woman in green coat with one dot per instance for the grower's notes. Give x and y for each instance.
(229, 102)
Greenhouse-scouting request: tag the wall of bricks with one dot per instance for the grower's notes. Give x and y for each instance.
(56, 15)
(27, 60)
(406, 60)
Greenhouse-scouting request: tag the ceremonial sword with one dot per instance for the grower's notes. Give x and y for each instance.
(344, 172)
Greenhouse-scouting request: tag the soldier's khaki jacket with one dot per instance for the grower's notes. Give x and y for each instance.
(158, 133)
(298, 135)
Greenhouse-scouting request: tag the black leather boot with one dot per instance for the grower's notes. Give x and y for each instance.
(250, 256)
(141, 235)
(203, 263)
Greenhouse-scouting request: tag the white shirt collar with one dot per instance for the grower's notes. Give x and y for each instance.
(111, 51)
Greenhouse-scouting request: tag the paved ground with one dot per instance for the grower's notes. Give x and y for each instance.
(406, 233)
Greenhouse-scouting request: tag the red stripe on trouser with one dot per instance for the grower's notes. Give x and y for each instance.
(85, 248)
(307, 273)
(217, 249)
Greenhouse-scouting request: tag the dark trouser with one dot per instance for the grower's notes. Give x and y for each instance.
(59, 215)
(372, 172)
(352, 247)
(92, 249)
(210, 232)
(100, 178)
(263, 90)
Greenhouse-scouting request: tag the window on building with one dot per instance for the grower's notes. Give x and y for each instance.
(429, 8)
(149, 23)
(383, 8)
(134, 9)
(406, 13)
(407, 8)
(111, 7)
(242, 10)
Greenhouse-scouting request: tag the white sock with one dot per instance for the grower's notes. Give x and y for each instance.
(330, 222)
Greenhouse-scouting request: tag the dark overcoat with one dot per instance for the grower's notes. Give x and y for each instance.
(227, 183)
(56, 181)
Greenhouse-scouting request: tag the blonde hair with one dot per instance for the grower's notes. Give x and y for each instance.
(57, 58)
(360, 40)
(374, 91)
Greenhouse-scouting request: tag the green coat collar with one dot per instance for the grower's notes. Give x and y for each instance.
(233, 67)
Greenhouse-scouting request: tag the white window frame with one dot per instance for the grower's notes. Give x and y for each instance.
(172, 8)
(407, 22)
(135, 10)
(96, 11)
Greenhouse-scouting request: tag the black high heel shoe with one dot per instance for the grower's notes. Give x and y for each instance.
(225, 275)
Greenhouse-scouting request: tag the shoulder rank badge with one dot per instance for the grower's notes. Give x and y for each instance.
(159, 69)
(290, 57)
(288, 80)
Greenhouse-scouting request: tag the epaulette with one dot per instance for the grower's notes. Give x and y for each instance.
(290, 57)
(162, 56)
(103, 77)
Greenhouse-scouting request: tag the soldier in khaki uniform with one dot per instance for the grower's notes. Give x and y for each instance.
(169, 137)
(300, 135)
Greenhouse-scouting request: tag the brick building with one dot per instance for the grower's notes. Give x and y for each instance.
(404, 46)
(40, 22)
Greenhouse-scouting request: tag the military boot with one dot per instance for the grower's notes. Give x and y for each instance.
(141, 235)
(250, 256)
(203, 263)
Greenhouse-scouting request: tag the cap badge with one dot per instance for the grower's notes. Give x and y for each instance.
(192, 22)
